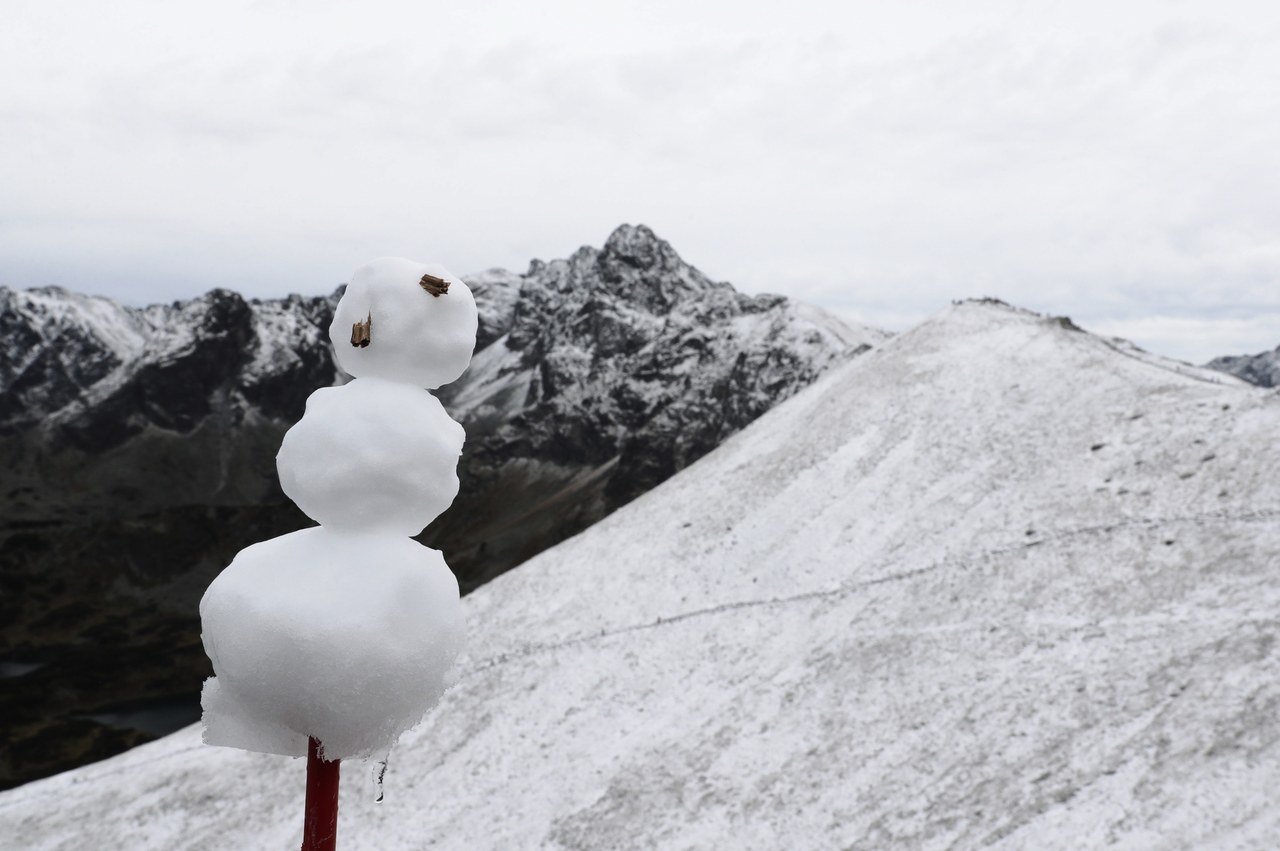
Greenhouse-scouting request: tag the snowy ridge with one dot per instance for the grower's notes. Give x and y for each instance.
(282, 331)
(117, 328)
(66, 356)
(58, 343)
(994, 584)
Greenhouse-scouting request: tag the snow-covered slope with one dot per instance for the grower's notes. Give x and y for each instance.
(997, 584)
(1262, 369)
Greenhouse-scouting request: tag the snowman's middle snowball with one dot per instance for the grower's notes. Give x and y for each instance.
(372, 455)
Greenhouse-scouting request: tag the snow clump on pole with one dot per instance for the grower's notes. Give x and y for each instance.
(339, 638)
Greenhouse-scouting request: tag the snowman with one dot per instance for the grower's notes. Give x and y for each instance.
(345, 633)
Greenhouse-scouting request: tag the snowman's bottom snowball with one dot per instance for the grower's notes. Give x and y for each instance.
(344, 636)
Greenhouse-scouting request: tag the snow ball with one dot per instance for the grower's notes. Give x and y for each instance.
(348, 637)
(413, 336)
(372, 454)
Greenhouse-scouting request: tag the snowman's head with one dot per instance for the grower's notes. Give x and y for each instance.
(414, 323)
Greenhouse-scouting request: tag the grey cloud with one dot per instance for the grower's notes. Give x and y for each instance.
(1117, 167)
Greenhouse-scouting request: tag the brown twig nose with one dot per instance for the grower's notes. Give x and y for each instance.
(360, 332)
(436, 286)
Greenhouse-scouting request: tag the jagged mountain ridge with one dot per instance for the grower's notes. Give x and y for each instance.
(601, 375)
(98, 372)
(998, 584)
(1262, 369)
(139, 446)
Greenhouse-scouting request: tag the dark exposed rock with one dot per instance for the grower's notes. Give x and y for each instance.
(1262, 369)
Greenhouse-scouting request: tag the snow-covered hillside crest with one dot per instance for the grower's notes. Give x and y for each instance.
(997, 584)
(1262, 369)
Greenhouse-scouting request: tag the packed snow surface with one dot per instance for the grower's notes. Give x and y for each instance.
(372, 454)
(339, 635)
(415, 338)
(996, 584)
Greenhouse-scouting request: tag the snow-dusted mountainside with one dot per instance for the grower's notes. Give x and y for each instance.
(96, 373)
(997, 584)
(599, 376)
(1262, 369)
(137, 447)
(139, 451)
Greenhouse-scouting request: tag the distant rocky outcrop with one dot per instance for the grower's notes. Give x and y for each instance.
(139, 449)
(1262, 369)
(599, 376)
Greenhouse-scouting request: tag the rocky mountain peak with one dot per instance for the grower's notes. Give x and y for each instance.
(637, 247)
(645, 269)
(609, 302)
(628, 360)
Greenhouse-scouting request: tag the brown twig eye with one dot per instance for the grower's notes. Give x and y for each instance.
(360, 332)
(436, 286)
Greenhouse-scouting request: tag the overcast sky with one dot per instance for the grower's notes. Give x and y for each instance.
(1119, 165)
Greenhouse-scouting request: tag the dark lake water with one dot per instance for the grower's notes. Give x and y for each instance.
(9, 670)
(158, 717)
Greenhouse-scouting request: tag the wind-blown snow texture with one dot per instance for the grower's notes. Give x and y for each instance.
(1262, 369)
(139, 448)
(997, 584)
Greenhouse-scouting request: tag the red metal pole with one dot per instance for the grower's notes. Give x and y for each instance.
(320, 823)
